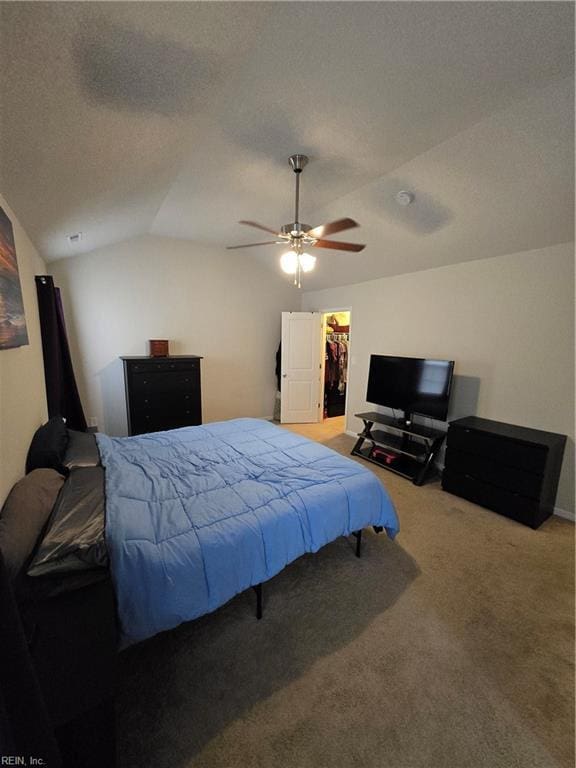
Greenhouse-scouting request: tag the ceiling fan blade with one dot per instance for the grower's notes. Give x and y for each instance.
(252, 245)
(259, 226)
(338, 246)
(334, 226)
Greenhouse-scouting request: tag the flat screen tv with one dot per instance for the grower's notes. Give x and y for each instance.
(411, 384)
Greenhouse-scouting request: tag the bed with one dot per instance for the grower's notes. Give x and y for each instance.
(184, 520)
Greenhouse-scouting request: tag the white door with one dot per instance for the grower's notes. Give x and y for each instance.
(301, 367)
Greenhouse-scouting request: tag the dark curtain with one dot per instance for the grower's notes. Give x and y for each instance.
(61, 390)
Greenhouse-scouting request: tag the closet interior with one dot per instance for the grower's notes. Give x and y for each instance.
(337, 330)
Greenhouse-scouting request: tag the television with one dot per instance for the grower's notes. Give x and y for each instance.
(410, 384)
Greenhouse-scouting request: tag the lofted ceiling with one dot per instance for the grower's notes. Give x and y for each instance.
(119, 119)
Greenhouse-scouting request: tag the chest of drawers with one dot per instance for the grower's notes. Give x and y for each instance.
(162, 393)
(509, 469)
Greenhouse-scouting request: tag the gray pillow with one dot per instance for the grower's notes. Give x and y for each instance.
(24, 516)
(82, 450)
(74, 539)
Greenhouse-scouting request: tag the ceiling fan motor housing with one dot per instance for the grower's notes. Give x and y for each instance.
(295, 228)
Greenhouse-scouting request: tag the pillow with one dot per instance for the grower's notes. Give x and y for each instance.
(82, 450)
(74, 539)
(48, 446)
(24, 515)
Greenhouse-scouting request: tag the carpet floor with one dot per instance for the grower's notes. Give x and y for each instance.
(451, 647)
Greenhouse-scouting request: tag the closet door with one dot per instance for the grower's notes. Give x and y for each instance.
(301, 367)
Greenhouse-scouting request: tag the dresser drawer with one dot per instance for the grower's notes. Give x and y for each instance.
(513, 505)
(164, 383)
(179, 406)
(148, 366)
(496, 473)
(158, 401)
(525, 456)
(159, 421)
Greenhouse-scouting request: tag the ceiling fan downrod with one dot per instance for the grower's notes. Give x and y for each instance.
(297, 163)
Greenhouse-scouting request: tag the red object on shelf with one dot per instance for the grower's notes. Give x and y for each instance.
(381, 455)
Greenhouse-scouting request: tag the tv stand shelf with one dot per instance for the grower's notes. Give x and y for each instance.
(405, 449)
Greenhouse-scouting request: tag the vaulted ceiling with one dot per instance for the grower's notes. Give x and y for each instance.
(178, 119)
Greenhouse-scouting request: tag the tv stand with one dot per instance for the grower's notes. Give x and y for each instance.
(408, 450)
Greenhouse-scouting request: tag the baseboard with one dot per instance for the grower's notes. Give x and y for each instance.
(352, 434)
(565, 514)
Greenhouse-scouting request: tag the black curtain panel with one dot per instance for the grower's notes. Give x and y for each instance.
(61, 390)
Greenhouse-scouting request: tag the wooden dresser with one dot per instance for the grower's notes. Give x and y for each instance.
(511, 470)
(162, 392)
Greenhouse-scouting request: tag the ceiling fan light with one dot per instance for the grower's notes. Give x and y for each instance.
(289, 262)
(307, 262)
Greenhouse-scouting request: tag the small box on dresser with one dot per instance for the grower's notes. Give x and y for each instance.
(509, 469)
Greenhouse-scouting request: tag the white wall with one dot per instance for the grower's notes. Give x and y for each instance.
(508, 322)
(22, 388)
(205, 300)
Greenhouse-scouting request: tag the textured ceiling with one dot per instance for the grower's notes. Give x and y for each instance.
(178, 118)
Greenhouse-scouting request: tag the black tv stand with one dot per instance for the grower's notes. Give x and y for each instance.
(405, 449)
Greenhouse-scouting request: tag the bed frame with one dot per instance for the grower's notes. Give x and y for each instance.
(358, 552)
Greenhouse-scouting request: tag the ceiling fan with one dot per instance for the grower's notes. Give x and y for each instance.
(298, 236)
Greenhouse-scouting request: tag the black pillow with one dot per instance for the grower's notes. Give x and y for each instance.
(82, 450)
(48, 446)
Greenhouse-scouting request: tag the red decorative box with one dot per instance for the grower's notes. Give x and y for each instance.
(158, 347)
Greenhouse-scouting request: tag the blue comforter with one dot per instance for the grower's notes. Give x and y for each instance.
(196, 515)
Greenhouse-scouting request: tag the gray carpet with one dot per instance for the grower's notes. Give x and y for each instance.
(450, 647)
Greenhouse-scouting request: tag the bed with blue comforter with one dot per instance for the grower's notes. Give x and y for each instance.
(196, 515)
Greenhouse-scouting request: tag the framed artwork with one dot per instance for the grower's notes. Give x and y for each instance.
(12, 320)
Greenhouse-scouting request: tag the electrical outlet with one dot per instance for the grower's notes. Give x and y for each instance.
(92, 421)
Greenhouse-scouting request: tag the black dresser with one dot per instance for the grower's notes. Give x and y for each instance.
(162, 392)
(511, 470)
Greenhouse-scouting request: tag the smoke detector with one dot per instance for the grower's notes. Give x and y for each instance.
(404, 198)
